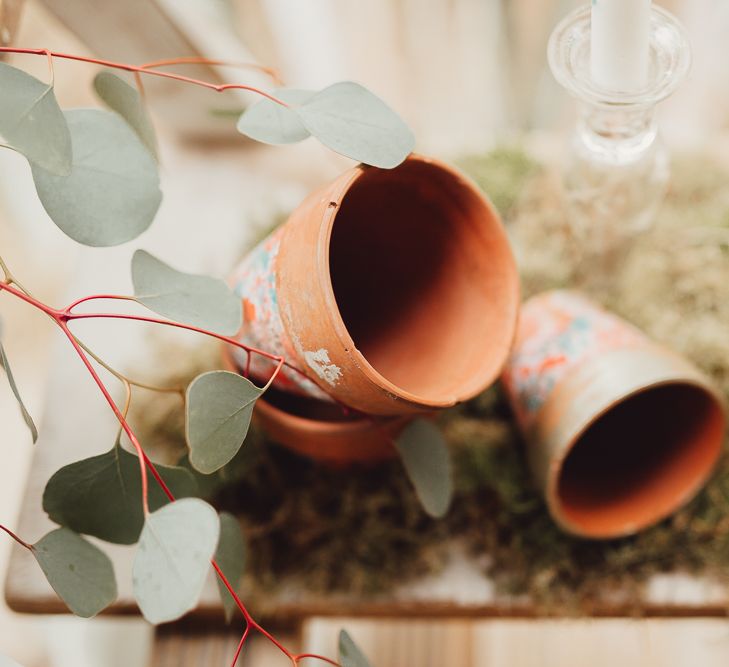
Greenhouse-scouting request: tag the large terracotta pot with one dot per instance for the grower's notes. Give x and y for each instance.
(321, 430)
(394, 291)
(620, 431)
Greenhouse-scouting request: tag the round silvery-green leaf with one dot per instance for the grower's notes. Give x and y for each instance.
(219, 409)
(350, 655)
(127, 102)
(173, 558)
(102, 495)
(82, 575)
(230, 557)
(31, 121)
(424, 453)
(112, 193)
(192, 299)
(273, 123)
(350, 120)
(5, 365)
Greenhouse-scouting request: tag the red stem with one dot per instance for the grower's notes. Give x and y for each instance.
(188, 327)
(22, 543)
(313, 656)
(192, 60)
(142, 70)
(240, 645)
(94, 297)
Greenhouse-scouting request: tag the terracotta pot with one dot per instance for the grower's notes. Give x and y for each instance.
(395, 291)
(620, 431)
(320, 429)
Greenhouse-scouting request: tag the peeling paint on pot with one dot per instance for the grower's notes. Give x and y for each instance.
(558, 331)
(320, 363)
(254, 281)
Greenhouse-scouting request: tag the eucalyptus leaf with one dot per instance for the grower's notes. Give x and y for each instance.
(112, 193)
(219, 409)
(426, 458)
(5, 365)
(271, 123)
(102, 495)
(230, 557)
(350, 655)
(192, 299)
(118, 95)
(31, 121)
(350, 120)
(173, 558)
(81, 574)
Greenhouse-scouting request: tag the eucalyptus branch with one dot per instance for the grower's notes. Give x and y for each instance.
(63, 317)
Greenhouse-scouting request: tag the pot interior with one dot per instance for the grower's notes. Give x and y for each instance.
(641, 460)
(424, 280)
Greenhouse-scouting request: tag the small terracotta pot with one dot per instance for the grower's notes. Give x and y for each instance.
(320, 429)
(395, 291)
(620, 431)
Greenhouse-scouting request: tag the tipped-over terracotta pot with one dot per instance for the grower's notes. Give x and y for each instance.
(393, 290)
(320, 429)
(620, 431)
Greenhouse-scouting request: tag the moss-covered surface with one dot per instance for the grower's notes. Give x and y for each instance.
(361, 530)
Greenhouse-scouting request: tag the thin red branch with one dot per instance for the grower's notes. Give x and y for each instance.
(53, 312)
(187, 327)
(95, 297)
(142, 70)
(240, 645)
(313, 656)
(194, 60)
(22, 543)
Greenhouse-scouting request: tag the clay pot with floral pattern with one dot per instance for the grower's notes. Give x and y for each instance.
(620, 431)
(394, 290)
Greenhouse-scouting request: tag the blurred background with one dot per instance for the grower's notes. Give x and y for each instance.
(467, 75)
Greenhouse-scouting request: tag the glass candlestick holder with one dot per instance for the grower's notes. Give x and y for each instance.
(617, 169)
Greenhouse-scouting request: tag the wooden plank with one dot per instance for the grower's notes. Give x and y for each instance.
(546, 643)
(187, 644)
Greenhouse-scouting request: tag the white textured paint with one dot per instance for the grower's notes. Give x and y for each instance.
(320, 363)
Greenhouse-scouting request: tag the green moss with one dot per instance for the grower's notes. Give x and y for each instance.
(501, 173)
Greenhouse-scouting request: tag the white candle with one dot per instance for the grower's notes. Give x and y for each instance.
(619, 44)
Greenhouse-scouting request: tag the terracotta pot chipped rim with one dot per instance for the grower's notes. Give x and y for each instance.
(396, 290)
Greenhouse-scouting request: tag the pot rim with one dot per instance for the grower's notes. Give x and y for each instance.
(340, 328)
(551, 477)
